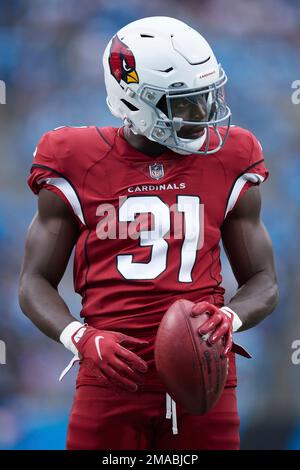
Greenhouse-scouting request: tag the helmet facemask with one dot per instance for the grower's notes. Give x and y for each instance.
(186, 118)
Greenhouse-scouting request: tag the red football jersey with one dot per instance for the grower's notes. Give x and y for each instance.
(149, 226)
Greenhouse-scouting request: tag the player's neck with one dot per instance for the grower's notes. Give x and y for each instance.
(142, 144)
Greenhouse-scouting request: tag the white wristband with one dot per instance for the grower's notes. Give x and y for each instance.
(66, 336)
(237, 322)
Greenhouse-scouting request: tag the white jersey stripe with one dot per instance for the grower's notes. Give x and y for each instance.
(68, 192)
(238, 186)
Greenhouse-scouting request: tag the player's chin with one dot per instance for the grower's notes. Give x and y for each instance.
(190, 135)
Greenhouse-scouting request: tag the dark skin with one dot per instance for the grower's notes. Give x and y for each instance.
(51, 237)
(54, 231)
(249, 250)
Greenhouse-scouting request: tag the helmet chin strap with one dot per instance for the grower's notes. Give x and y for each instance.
(189, 145)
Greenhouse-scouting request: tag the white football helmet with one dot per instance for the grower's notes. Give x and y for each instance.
(157, 67)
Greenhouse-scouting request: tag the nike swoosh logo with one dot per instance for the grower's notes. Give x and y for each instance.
(97, 343)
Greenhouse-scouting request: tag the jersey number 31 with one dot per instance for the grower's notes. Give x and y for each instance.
(189, 207)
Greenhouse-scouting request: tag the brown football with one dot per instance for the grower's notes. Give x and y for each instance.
(192, 370)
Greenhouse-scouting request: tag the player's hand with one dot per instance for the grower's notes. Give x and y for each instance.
(104, 354)
(222, 323)
(219, 325)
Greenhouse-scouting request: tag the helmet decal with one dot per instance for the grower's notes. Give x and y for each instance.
(122, 62)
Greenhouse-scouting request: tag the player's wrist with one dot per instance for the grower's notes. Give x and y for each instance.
(236, 321)
(66, 336)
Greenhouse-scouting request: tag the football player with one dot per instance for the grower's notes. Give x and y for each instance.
(146, 206)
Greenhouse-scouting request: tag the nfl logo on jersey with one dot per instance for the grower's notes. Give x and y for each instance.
(156, 171)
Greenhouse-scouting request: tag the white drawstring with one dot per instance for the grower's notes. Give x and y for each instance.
(170, 403)
(171, 412)
(168, 406)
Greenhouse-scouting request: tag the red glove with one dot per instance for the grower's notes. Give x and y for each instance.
(219, 325)
(103, 354)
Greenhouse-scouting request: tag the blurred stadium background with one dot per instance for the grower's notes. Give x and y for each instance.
(50, 59)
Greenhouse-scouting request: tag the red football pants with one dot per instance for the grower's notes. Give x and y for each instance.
(103, 420)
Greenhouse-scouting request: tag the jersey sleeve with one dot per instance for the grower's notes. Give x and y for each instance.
(44, 165)
(251, 172)
(47, 171)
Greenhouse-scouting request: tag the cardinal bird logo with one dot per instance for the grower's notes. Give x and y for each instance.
(122, 62)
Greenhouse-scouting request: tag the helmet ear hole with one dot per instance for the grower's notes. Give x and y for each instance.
(129, 105)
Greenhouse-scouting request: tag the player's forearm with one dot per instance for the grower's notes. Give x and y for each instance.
(255, 299)
(42, 304)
